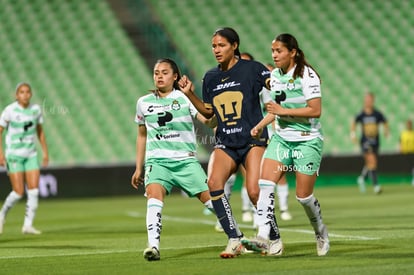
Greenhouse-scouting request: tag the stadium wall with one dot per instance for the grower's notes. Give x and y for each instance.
(85, 181)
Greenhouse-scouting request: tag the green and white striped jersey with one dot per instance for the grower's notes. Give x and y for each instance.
(21, 124)
(169, 123)
(293, 93)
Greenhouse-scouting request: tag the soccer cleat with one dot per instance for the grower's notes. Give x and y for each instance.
(285, 215)
(247, 216)
(361, 184)
(275, 248)
(234, 248)
(218, 227)
(151, 254)
(30, 230)
(256, 244)
(322, 242)
(377, 189)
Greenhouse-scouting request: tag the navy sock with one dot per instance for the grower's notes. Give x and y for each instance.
(373, 176)
(224, 213)
(274, 230)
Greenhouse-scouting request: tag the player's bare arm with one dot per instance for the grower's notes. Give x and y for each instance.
(187, 87)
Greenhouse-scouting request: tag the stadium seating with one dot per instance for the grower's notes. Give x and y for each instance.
(84, 71)
(356, 46)
(87, 75)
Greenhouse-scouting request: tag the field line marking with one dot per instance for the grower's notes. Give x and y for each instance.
(65, 254)
(246, 226)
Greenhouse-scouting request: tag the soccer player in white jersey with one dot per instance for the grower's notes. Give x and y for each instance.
(297, 143)
(166, 147)
(23, 122)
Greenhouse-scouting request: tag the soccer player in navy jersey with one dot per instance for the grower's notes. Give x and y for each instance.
(231, 93)
(370, 119)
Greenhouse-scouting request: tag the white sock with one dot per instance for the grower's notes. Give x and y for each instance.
(209, 205)
(10, 201)
(255, 217)
(229, 186)
(313, 211)
(153, 220)
(31, 206)
(282, 194)
(265, 208)
(246, 203)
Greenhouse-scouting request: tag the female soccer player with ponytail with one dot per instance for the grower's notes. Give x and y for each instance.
(231, 93)
(23, 122)
(296, 144)
(166, 147)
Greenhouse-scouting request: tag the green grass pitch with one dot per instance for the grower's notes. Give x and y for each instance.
(369, 234)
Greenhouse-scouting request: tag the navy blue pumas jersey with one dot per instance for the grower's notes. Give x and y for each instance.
(370, 127)
(234, 97)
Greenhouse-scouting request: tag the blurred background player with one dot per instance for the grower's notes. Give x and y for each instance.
(23, 122)
(370, 119)
(407, 142)
(166, 146)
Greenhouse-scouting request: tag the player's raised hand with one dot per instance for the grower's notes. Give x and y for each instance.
(186, 86)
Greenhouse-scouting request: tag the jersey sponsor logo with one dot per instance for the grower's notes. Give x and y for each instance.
(280, 96)
(164, 117)
(233, 130)
(229, 106)
(226, 85)
(265, 72)
(27, 125)
(152, 108)
(168, 136)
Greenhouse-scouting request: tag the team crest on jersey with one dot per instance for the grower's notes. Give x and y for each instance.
(290, 85)
(175, 105)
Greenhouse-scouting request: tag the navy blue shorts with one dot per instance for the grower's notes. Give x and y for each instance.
(238, 154)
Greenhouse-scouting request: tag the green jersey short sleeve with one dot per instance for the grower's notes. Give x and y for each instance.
(21, 124)
(294, 93)
(169, 123)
